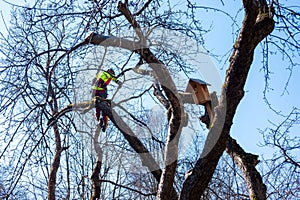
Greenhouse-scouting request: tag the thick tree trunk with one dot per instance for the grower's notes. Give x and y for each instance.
(176, 123)
(252, 32)
(170, 160)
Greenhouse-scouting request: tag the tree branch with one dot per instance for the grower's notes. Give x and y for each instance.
(123, 8)
(247, 162)
(143, 8)
(128, 188)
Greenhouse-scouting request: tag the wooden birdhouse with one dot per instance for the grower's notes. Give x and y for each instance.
(200, 94)
(199, 91)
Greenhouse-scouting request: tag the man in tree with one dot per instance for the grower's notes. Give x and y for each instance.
(99, 89)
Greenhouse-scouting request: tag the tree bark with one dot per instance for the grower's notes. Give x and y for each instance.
(251, 34)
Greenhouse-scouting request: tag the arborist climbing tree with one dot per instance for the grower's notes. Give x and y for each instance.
(99, 89)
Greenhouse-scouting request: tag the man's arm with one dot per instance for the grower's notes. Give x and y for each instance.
(116, 80)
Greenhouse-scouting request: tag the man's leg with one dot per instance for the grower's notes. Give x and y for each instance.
(96, 93)
(97, 114)
(105, 123)
(104, 120)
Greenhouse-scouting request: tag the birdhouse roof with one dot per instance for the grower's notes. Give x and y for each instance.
(199, 81)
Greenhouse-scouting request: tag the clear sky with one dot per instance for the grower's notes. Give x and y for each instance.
(252, 113)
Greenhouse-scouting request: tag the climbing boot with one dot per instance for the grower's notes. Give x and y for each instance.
(102, 124)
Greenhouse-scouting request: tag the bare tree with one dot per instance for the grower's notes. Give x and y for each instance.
(47, 49)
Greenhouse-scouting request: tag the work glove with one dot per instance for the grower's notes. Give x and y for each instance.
(119, 82)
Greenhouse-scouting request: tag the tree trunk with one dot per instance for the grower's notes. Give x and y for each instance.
(55, 164)
(96, 182)
(58, 148)
(253, 31)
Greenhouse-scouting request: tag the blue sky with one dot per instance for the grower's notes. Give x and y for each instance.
(252, 113)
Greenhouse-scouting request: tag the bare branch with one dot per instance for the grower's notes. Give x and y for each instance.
(129, 188)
